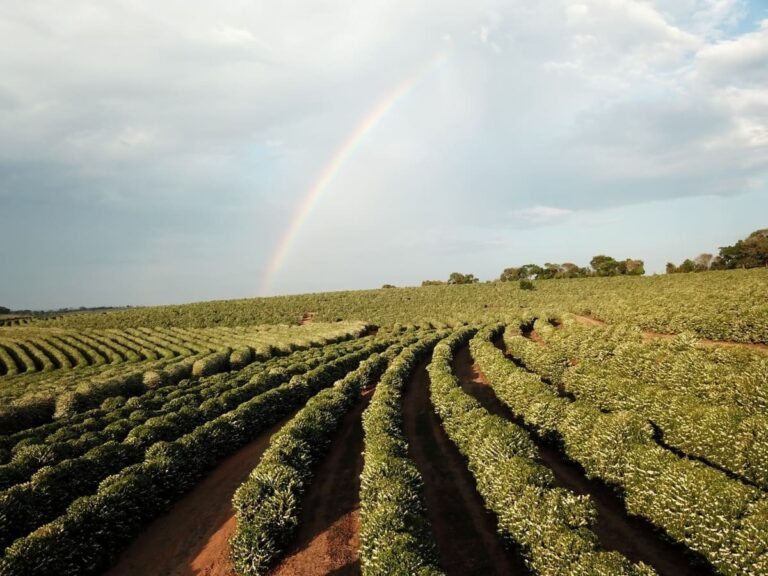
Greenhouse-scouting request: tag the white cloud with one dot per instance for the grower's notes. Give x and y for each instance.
(561, 108)
(741, 61)
(541, 214)
(232, 35)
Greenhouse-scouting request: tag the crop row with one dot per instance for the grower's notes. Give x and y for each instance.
(157, 400)
(267, 504)
(722, 519)
(701, 403)
(33, 350)
(720, 375)
(77, 393)
(48, 492)
(44, 349)
(88, 535)
(551, 526)
(395, 535)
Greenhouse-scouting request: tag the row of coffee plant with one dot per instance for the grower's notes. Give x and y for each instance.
(703, 508)
(141, 417)
(551, 526)
(267, 505)
(188, 451)
(709, 403)
(395, 535)
(26, 505)
(44, 400)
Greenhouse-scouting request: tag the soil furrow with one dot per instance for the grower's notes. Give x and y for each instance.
(464, 530)
(328, 540)
(192, 537)
(633, 537)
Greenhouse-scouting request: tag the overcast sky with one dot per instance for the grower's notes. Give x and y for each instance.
(156, 152)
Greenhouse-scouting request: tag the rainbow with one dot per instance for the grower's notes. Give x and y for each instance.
(336, 163)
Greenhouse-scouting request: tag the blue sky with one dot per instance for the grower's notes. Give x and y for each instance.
(157, 152)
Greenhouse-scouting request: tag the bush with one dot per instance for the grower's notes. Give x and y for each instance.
(526, 284)
(211, 364)
(240, 358)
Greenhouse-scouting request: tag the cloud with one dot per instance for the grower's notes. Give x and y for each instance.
(541, 215)
(740, 61)
(157, 119)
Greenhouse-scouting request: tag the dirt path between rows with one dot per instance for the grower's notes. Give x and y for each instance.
(527, 331)
(633, 537)
(328, 539)
(192, 538)
(464, 530)
(307, 318)
(648, 335)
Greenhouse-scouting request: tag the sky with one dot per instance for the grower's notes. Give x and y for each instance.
(168, 152)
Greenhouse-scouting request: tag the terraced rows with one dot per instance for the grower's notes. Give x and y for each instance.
(714, 513)
(27, 350)
(567, 427)
(31, 399)
(158, 444)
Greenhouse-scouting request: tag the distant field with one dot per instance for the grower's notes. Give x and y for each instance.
(590, 426)
(727, 305)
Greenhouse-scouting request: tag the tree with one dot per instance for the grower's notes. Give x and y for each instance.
(432, 283)
(459, 278)
(749, 253)
(509, 274)
(634, 267)
(671, 268)
(604, 265)
(387, 286)
(4, 310)
(688, 265)
(702, 262)
(549, 271)
(528, 271)
(755, 250)
(571, 270)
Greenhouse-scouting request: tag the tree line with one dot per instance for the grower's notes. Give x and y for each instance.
(600, 265)
(752, 252)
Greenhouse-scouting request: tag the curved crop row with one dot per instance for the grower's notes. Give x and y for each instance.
(150, 401)
(25, 506)
(395, 537)
(551, 525)
(37, 350)
(702, 405)
(722, 519)
(267, 504)
(85, 538)
(720, 375)
(131, 379)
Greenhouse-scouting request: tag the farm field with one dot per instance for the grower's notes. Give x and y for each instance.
(590, 426)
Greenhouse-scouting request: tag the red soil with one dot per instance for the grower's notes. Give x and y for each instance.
(633, 537)
(588, 321)
(192, 538)
(534, 337)
(327, 540)
(648, 335)
(464, 530)
(307, 318)
(528, 332)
